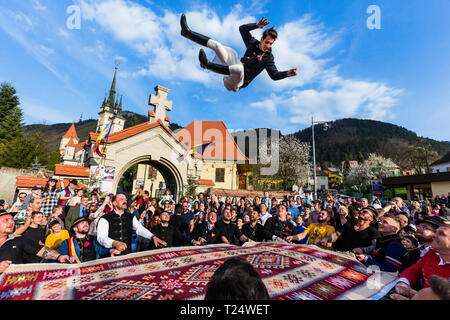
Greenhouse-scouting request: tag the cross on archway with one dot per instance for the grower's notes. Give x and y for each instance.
(160, 102)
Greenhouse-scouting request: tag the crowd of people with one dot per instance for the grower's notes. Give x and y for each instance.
(67, 225)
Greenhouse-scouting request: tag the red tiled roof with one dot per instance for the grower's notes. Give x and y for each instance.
(80, 146)
(71, 133)
(67, 170)
(199, 132)
(30, 182)
(205, 182)
(70, 143)
(131, 131)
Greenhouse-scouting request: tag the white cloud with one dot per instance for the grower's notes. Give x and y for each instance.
(157, 37)
(100, 50)
(305, 43)
(39, 6)
(63, 33)
(268, 104)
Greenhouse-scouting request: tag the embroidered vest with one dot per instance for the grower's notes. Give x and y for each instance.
(120, 228)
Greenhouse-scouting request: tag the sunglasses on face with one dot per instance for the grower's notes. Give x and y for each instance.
(424, 227)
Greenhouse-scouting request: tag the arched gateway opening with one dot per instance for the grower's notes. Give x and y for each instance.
(171, 176)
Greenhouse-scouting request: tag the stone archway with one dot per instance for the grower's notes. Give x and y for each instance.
(172, 176)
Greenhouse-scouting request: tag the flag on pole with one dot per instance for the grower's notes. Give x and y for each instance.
(199, 148)
(101, 137)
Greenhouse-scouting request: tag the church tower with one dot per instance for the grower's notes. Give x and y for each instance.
(111, 109)
(69, 136)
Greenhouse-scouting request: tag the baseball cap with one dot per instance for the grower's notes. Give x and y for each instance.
(37, 187)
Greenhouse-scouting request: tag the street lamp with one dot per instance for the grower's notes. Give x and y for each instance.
(325, 127)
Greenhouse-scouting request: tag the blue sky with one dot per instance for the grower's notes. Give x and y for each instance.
(398, 74)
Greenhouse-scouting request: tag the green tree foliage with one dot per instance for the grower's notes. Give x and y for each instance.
(420, 156)
(10, 114)
(18, 150)
(360, 158)
(134, 121)
(27, 152)
(128, 178)
(17, 153)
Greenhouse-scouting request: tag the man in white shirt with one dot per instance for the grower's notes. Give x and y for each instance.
(264, 215)
(115, 228)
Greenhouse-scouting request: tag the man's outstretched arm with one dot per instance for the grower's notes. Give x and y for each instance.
(246, 28)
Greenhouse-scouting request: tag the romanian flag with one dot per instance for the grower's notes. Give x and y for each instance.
(199, 148)
(72, 250)
(102, 136)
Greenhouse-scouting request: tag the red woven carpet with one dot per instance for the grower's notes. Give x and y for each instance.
(289, 272)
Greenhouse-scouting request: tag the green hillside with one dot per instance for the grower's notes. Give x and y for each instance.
(55, 132)
(348, 137)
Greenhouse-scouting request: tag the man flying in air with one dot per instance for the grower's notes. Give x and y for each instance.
(239, 73)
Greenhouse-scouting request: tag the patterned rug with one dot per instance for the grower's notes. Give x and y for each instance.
(290, 272)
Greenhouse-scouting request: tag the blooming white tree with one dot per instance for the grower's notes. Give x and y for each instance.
(295, 160)
(376, 167)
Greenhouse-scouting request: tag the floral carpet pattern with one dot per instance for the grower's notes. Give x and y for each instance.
(290, 272)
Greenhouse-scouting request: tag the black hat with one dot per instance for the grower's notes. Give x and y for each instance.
(74, 181)
(77, 221)
(4, 213)
(435, 221)
(412, 239)
(373, 210)
(410, 228)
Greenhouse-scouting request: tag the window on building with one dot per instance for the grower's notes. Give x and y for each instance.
(220, 174)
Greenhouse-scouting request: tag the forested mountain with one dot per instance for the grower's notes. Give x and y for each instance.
(345, 138)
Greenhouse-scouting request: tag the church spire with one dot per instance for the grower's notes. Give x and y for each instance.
(116, 104)
(104, 102)
(112, 91)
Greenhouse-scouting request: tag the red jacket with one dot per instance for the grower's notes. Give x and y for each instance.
(431, 263)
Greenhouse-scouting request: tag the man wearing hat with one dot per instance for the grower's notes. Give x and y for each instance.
(80, 244)
(13, 247)
(436, 261)
(357, 238)
(35, 193)
(426, 229)
(413, 253)
(23, 216)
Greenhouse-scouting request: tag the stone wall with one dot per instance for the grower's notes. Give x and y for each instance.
(8, 180)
